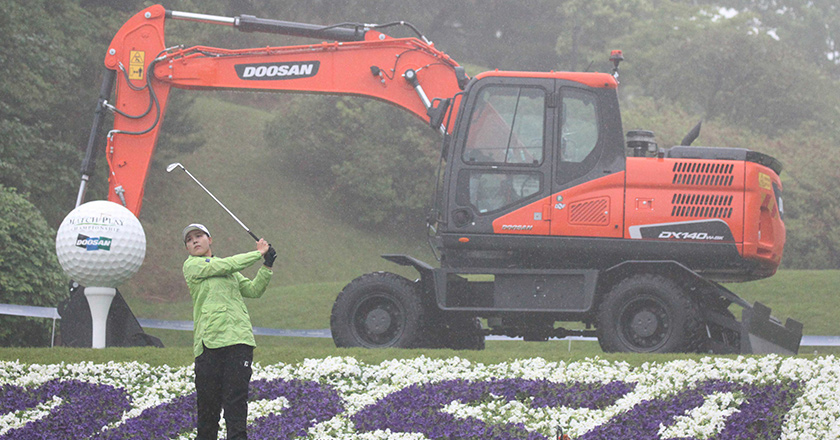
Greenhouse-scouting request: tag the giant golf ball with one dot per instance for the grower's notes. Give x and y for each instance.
(100, 244)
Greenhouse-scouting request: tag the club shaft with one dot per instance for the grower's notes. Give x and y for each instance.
(221, 204)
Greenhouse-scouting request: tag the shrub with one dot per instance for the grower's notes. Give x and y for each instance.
(29, 269)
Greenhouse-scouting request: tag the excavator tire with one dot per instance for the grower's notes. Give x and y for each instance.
(377, 310)
(649, 314)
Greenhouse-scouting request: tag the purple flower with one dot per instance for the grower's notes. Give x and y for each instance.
(161, 422)
(760, 415)
(417, 408)
(85, 409)
(309, 403)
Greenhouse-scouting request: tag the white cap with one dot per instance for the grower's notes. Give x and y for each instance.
(195, 227)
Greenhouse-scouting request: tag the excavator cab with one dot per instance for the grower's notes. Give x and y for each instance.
(521, 140)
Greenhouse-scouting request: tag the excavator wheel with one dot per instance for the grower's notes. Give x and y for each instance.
(377, 310)
(649, 314)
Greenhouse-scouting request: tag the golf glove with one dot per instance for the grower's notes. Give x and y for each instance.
(269, 256)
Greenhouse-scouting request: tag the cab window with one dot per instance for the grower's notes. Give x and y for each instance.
(491, 191)
(578, 134)
(507, 126)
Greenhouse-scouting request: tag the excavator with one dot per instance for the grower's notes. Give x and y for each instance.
(544, 212)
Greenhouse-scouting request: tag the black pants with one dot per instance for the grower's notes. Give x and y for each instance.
(222, 376)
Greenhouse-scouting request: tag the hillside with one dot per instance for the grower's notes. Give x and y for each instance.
(237, 167)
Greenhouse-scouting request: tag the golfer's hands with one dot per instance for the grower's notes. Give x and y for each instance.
(263, 246)
(269, 257)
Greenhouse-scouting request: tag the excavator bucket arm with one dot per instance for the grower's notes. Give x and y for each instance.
(406, 72)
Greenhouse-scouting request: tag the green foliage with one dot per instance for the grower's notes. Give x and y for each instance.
(43, 168)
(29, 270)
(50, 70)
(375, 163)
(42, 61)
(812, 28)
(757, 82)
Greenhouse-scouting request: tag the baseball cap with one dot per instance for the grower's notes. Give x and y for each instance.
(194, 227)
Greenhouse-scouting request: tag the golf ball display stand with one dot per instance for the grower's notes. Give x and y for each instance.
(100, 244)
(99, 300)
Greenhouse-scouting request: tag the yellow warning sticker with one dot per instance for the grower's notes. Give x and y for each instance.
(764, 181)
(136, 64)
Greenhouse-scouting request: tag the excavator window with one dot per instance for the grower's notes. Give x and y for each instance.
(579, 134)
(490, 191)
(507, 126)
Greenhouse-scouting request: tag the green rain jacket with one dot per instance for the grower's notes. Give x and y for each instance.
(216, 287)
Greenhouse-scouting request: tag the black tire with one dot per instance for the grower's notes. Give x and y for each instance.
(377, 310)
(649, 314)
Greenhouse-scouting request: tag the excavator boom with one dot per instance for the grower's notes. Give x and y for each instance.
(406, 72)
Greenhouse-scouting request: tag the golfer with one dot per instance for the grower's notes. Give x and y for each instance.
(224, 341)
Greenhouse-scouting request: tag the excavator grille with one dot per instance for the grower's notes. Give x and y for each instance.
(590, 212)
(703, 174)
(701, 205)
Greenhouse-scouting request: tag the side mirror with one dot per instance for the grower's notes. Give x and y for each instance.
(461, 76)
(437, 111)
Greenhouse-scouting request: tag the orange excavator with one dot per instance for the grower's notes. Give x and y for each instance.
(544, 213)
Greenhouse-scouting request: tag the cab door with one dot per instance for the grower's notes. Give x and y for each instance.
(502, 161)
(588, 183)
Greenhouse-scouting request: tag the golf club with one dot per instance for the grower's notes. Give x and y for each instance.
(172, 166)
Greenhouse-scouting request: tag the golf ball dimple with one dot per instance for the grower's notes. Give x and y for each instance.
(100, 244)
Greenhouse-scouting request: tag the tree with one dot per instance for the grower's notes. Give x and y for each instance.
(44, 169)
(42, 62)
(50, 71)
(29, 270)
(722, 69)
(812, 27)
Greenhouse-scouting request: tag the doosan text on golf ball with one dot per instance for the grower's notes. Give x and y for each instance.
(100, 243)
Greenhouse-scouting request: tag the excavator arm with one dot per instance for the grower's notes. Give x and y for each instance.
(407, 72)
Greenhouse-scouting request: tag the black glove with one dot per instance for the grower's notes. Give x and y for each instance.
(269, 256)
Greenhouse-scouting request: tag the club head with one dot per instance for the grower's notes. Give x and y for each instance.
(172, 166)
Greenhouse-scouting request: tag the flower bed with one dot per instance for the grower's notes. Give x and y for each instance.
(714, 398)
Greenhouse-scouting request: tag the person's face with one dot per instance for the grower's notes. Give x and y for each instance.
(198, 244)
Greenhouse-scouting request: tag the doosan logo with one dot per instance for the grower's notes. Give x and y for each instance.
(93, 243)
(275, 71)
(517, 227)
